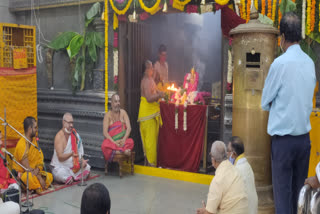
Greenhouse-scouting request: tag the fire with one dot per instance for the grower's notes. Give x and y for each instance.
(172, 88)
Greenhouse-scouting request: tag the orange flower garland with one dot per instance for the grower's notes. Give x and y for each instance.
(269, 8)
(313, 15)
(248, 10)
(279, 19)
(274, 10)
(263, 7)
(308, 17)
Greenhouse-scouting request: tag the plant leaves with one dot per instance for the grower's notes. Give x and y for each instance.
(98, 39)
(287, 6)
(75, 45)
(315, 36)
(88, 21)
(93, 11)
(92, 52)
(265, 19)
(62, 41)
(78, 68)
(308, 50)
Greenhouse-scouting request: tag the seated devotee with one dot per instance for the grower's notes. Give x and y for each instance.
(68, 154)
(149, 115)
(95, 199)
(227, 193)
(6, 183)
(237, 157)
(116, 131)
(32, 159)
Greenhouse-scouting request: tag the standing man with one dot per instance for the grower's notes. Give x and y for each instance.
(149, 115)
(32, 159)
(116, 131)
(161, 65)
(236, 156)
(287, 95)
(68, 151)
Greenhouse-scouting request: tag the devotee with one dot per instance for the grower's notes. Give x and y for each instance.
(227, 193)
(236, 156)
(32, 159)
(149, 115)
(116, 131)
(161, 65)
(95, 199)
(68, 154)
(287, 95)
(6, 182)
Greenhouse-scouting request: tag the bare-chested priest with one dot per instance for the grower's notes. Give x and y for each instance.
(68, 154)
(149, 114)
(116, 131)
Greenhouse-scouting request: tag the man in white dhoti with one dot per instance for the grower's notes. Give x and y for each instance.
(68, 154)
(236, 156)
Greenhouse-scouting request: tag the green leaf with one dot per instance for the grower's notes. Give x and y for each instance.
(92, 52)
(287, 6)
(265, 19)
(62, 41)
(98, 39)
(308, 50)
(93, 11)
(75, 45)
(78, 68)
(88, 21)
(315, 36)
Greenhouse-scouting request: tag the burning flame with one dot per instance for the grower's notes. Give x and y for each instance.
(172, 88)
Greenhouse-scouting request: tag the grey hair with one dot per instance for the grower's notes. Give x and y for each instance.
(65, 115)
(219, 151)
(147, 64)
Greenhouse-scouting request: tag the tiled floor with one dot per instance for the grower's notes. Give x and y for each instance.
(138, 194)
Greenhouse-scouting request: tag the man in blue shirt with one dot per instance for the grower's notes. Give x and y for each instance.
(287, 95)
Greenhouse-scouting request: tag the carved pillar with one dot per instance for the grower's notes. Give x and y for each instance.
(99, 71)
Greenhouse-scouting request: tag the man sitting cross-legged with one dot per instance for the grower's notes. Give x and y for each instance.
(68, 154)
(116, 130)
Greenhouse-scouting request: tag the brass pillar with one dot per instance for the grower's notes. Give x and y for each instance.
(254, 48)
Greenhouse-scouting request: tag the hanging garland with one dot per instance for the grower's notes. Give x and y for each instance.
(303, 19)
(308, 17)
(263, 7)
(279, 19)
(152, 9)
(269, 8)
(106, 22)
(222, 2)
(248, 10)
(256, 4)
(180, 4)
(243, 9)
(313, 15)
(274, 10)
(123, 11)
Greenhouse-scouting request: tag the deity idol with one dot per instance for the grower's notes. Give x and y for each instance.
(191, 81)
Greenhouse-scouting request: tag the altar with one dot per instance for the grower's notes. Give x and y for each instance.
(180, 146)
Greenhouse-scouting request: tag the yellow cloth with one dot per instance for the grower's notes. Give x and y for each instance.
(227, 192)
(150, 121)
(314, 137)
(35, 158)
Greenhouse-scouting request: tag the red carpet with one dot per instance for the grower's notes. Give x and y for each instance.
(55, 187)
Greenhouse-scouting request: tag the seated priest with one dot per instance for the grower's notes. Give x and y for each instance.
(227, 193)
(68, 154)
(116, 131)
(32, 159)
(238, 159)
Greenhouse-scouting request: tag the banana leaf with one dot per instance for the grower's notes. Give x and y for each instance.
(306, 47)
(93, 11)
(287, 6)
(62, 41)
(75, 45)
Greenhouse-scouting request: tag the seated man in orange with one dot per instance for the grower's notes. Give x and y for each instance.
(116, 130)
(32, 159)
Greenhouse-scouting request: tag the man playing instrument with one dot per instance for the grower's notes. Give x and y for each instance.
(116, 130)
(31, 158)
(68, 154)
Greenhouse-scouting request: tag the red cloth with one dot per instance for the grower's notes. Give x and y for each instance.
(178, 149)
(74, 146)
(5, 179)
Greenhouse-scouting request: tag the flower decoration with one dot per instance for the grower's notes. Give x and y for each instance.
(185, 105)
(192, 9)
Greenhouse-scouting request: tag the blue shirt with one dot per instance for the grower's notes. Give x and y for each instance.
(288, 92)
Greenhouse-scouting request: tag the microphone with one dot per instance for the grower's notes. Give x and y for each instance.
(8, 153)
(4, 159)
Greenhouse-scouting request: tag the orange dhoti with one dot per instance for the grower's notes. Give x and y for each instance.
(117, 131)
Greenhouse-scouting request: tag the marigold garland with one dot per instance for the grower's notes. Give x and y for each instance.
(106, 22)
(123, 11)
(263, 7)
(248, 10)
(152, 9)
(308, 17)
(269, 8)
(115, 21)
(274, 10)
(279, 20)
(222, 2)
(313, 15)
(179, 4)
(256, 4)
(243, 9)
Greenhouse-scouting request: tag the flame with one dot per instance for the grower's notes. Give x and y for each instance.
(172, 88)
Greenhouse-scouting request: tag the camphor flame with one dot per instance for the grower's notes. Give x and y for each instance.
(172, 88)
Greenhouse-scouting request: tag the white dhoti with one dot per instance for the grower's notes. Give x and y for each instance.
(9, 207)
(62, 171)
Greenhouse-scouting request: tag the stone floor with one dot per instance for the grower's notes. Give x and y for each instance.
(138, 194)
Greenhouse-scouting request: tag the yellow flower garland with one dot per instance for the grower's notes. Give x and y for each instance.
(115, 21)
(308, 17)
(222, 2)
(152, 9)
(180, 4)
(274, 7)
(123, 11)
(106, 54)
(256, 4)
(243, 7)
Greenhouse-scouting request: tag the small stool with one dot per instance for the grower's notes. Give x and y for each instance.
(120, 158)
